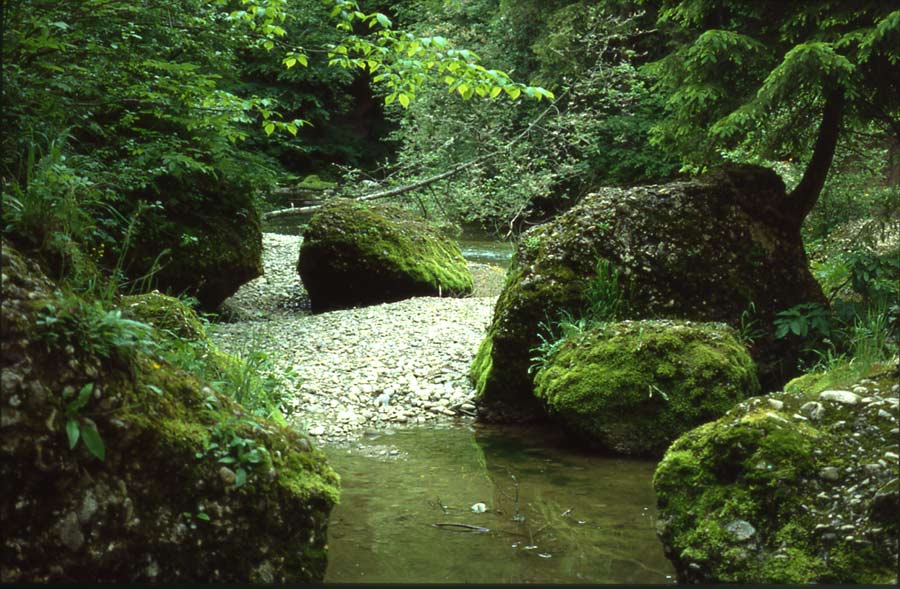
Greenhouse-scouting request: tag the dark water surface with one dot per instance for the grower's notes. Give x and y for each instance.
(578, 518)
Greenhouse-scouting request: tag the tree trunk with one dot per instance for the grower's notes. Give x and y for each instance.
(805, 195)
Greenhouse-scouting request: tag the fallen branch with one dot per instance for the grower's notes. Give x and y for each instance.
(479, 529)
(299, 211)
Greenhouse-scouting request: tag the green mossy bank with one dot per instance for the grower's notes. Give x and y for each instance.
(168, 502)
(356, 254)
(715, 248)
(633, 387)
(790, 488)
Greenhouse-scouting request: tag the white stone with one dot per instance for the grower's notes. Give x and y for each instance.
(845, 397)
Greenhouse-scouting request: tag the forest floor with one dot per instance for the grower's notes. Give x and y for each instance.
(365, 369)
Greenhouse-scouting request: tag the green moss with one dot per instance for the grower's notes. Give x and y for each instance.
(357, 253)
(164, 313)
(481, 367)
(761, 464)
(633, 387)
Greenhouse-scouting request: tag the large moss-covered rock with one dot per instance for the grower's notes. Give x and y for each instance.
(169, 501)
(205, 241)
(633, 387)
(357, 254)
(790, 488)
(702, 250)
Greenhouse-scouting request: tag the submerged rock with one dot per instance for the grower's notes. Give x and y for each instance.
(820, 500)
(139, 495)
(635, 386)
(715, 248)
(356, 254)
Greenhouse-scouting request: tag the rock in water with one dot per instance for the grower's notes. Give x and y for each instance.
(356, 254)
(634, 386)
(160, 505)
(702, 250)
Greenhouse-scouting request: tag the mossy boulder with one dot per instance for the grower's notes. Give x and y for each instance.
(164, 313)
(190, 487)
(633, 387)
(700, 250)
(356, 254)
(205, 241)
(789, 488)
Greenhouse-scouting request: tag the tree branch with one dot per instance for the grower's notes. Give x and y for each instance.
(802, 199)
(300, 211)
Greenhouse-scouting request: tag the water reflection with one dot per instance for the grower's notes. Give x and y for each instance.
(555, 515)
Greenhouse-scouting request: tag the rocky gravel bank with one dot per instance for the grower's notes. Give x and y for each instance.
(354, 370)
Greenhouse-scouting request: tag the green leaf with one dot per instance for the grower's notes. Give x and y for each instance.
(154, 389)
(269, 128)
(72, 431)
(383, 20)
(290, 62)
(93, 442)
(84, 396)
(203, 516)
(241, 477)
(404, 100)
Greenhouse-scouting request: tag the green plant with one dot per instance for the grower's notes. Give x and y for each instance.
(805, 319)
(91, 328)
(605, 297)
(552, 335)
(604, 301)
(870, 338)
(231, 449)
(79, 427)
(749, 329)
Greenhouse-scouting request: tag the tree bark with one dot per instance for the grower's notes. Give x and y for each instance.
(802, 199)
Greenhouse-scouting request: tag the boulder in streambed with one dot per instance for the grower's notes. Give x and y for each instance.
(632, 387)
(204, 238)
(356, 254)
(121, 467)
(791, 488)
(714, 248)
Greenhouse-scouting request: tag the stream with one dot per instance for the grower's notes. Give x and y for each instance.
(551, 513)
(579, 517)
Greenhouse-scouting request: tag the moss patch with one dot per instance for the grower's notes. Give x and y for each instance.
(634, 386)
(165, 313)
(192, 488)
(357, 254)
(768, 495)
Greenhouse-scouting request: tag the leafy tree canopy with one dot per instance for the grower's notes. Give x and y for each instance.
(776, 79)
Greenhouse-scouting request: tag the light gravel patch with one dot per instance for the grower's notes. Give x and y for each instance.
(375, 367)
(370, 368)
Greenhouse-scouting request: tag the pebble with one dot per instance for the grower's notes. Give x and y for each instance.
(813, 411)
(845, 397)
(829, 473)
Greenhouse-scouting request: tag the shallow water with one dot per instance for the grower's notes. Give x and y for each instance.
(579, 518)
(485, 248)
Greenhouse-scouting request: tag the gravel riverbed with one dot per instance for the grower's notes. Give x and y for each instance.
(364, 369)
